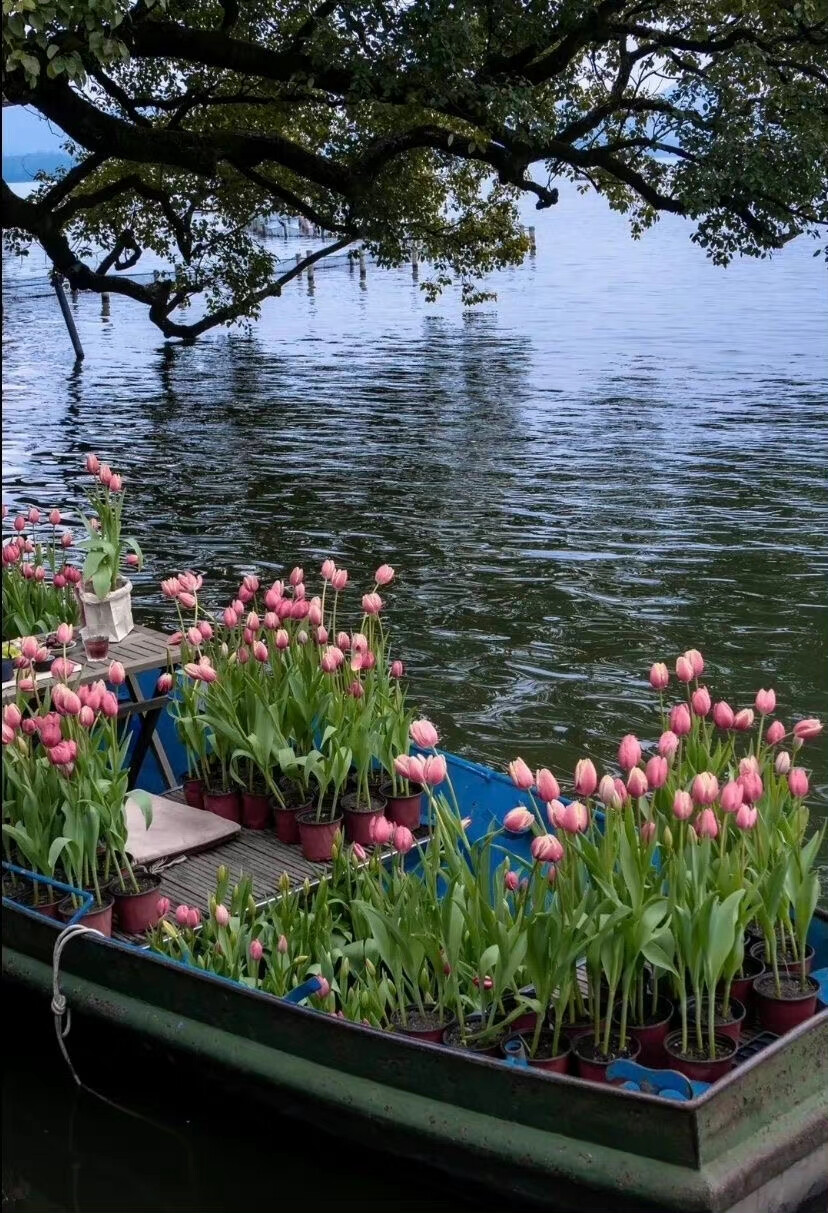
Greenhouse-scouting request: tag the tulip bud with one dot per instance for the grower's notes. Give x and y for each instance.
(667, 838)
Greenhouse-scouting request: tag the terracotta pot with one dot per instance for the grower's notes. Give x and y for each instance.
(781, 1014)
(255, 810)
(741, 988)
(358, 819)
(733, 1025)
(223, 804)
(433, 1034)
(595, 1068)
(784, 965)
(287, 828)
(137, 912)
(559, 1064)
(317, 837)
(403, 810)
(650, 1036)
(99, 917)
(701, 1069)
(193, 792)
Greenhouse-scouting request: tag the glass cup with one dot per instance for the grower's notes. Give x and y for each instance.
(96, 647)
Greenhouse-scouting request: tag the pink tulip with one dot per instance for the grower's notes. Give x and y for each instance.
(54, 517)
(8, 734)
(105, 474)
(93, 464)
(680, 722)
(117, 674)
(751, 785)
(206, 630)
(359, 853)
(297, 576)
(637, 783)
(256, 950)
(162, 907)
(381, 831)
(798, 782)
(403, 840)
(397, 669)
(194, 637)
(222, 915)
(64, 634)
(300, 609)
(34, 514)
(182, 915)
(546, 784)
(61, 668)
(39, 573)
(434, 770)
(629, 752)
(28, 571)
(749, 765)
(647, 832)
(384, 574)
(86, 716)
(272, 599)
(282, 944)
(59, 581)
(20, 523)
(518, 820)
(684, 669)
(11, 554)
(271, 621)
(659, 676)
(242, 657)
(187, 600)
(115, 483)
(260, 651)
(355, 689)
(573, 818)
(29, 647)
(701, 701)
(656, 771)
(608, 793)
(424, 734)
(343, 641)
(302, 637)
(401, 765)
(783, 762)
(109, 704)
(339, 579)
(238, 607)
(314, 613)
(743, 719)
(253, 622)
(546, 848)
(359, 642)
(696, 660)
(668, 743)
(520, 774)
(707, 826)
(765, 702)
(70, 704)
(746, 817)
(806, 730)
(586, 777)
(328, 569)
(705, 788)
(723, 715)
(282, 639)
(775, 733)
(732, 796)
(66, 539)
(324, 987)
(371, 603)
(192, 582)
(512, 881)
(321, 634)
(12, 716)
(72, 574)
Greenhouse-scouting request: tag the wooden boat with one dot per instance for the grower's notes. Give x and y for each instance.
(754, 1142)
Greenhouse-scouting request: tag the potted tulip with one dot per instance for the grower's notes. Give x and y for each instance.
(320, 826)
(106, 595)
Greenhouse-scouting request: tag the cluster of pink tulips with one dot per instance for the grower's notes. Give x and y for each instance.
(38, 580)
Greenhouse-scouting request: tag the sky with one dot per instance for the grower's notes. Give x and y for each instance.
(25, 131)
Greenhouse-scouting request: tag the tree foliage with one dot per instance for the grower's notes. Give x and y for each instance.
(383, 121)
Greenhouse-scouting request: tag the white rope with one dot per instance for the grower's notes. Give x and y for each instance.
(61, 1012)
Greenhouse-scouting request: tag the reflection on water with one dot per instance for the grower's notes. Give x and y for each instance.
(623, 458)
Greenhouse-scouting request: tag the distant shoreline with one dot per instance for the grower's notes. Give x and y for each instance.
(21, 170)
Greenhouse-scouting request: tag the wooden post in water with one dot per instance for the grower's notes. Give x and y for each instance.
(57, 283)
(104, 306)
(298, 259)
(532, 245)
(415, 260)
(362, 264)
(311, 275)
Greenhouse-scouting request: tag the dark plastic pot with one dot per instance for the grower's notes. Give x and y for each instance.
(580, 1027)
(193, 792)
(650, 1036)
(433, 1034)
(403, 810)
(317, 837)
(784, 965)
(224, 804)
(526, 1022)
(559, 1064)
(358, 818)
(741, 988)
(452, 1037)
(781, 1014)
(732, 1027)
(701, 1069)
(137, 912)
(255, 810)
(595, 1068)
(99, 917)
(287, 828)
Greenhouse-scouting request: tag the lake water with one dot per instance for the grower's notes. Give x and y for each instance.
(623, 457)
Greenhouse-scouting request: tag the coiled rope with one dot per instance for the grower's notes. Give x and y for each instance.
(60, 1010)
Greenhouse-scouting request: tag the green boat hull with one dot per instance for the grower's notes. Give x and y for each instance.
(755, 1143)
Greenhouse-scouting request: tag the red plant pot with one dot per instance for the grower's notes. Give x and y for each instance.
(224, 804)
(594, 1069)
(651, 1036)
(137, 912)
(49, 909)
(433, 1034)
(733, 1026)
(99, 917)
(701, 1069)
(404, 810)
(781, 1014)
(255, 810)
(783, 965)
(287, 828)
(559, 1064)
(193, 793)
(453, 1039)
(741, 988)
(581, 1027)
(317, 837)
(358, 820)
